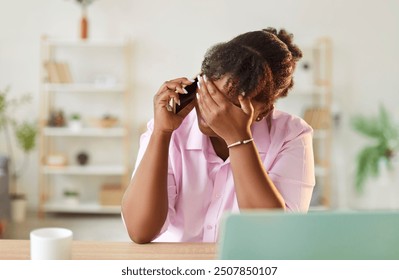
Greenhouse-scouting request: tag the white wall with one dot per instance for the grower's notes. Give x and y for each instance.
(171, 36)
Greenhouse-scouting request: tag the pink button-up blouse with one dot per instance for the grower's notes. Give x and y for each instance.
(201, 185)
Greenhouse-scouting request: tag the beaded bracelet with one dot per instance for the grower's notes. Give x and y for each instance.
(239, 143)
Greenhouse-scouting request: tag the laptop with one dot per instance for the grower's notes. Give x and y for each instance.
(326, 235)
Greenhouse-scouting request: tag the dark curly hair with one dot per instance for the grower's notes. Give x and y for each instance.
(259, 63)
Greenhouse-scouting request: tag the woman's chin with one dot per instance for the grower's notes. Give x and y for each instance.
(204, 128)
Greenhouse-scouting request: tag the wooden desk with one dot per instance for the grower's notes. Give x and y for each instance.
(94, 250)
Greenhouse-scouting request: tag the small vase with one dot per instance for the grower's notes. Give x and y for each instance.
(71, 200)
(82, 158)
(84, 26)
(75, 125)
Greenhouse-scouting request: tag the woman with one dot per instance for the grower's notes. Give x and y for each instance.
(233, 152)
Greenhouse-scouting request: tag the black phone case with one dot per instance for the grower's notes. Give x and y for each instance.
(186, 99)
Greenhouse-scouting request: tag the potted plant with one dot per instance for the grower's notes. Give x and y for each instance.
(71, 197)
(378, 159)
(75, 122)
(25, 134)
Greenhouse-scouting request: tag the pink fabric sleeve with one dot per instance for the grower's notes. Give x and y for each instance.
(293, 171)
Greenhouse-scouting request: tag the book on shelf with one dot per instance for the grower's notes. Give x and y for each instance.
(58, 72)
(64, 72)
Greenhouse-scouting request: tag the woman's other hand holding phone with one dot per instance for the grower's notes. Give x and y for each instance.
(165, 121)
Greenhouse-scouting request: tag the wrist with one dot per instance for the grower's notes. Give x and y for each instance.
(163, 134)
(238, 143)
(238, 137)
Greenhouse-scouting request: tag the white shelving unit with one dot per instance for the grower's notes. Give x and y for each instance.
(87, 88)
(86, 208)
(115, 170)
(85, 132)
(98, 85)
(311, 99)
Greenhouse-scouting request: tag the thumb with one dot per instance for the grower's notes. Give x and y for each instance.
(246, 105)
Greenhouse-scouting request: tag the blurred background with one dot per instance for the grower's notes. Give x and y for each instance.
(77, 79)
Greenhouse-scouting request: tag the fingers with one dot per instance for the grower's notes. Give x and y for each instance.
(176, 85)
(205, 100)
(246, 105)
(167, 99)
(211, 99)
(168, 94)
(212, 91)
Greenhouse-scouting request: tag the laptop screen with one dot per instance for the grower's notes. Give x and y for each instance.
(313, 236)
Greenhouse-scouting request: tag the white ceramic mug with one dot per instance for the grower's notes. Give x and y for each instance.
(51, 244)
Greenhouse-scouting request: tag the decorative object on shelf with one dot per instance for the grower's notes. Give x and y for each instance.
(111, 194)
(71, 197)
(381, 154)
(108, 121)
(82, 158)
(75, 122)
(84, 22)
(25, 134)
(56, 160)
(58, 72)
(56, 119)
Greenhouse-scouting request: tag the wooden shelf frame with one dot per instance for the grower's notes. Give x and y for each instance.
(48, 135)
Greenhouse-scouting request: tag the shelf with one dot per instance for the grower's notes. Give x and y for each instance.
(83, 87)
(89, 208)
(83, 44)
(108, 170)
(85, 132)
(102, 72)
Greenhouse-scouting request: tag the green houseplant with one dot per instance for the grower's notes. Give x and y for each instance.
(25, 135)
(384, 136)
(75, 122)
(71, 197)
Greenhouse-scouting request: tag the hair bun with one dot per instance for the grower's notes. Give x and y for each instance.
(286, 38)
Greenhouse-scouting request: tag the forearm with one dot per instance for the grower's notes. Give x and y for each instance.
(253, 186)
(145, 203)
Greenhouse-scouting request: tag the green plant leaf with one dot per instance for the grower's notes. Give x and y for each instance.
(367, 126)
(26, 136)
(384, 133)
(387, 127)
(367, 165)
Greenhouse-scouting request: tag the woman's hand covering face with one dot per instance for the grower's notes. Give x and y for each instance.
(228, 120)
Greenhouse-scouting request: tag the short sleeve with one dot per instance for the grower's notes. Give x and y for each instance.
(293, 169)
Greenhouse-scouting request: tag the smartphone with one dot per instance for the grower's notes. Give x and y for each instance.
(186, 99)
